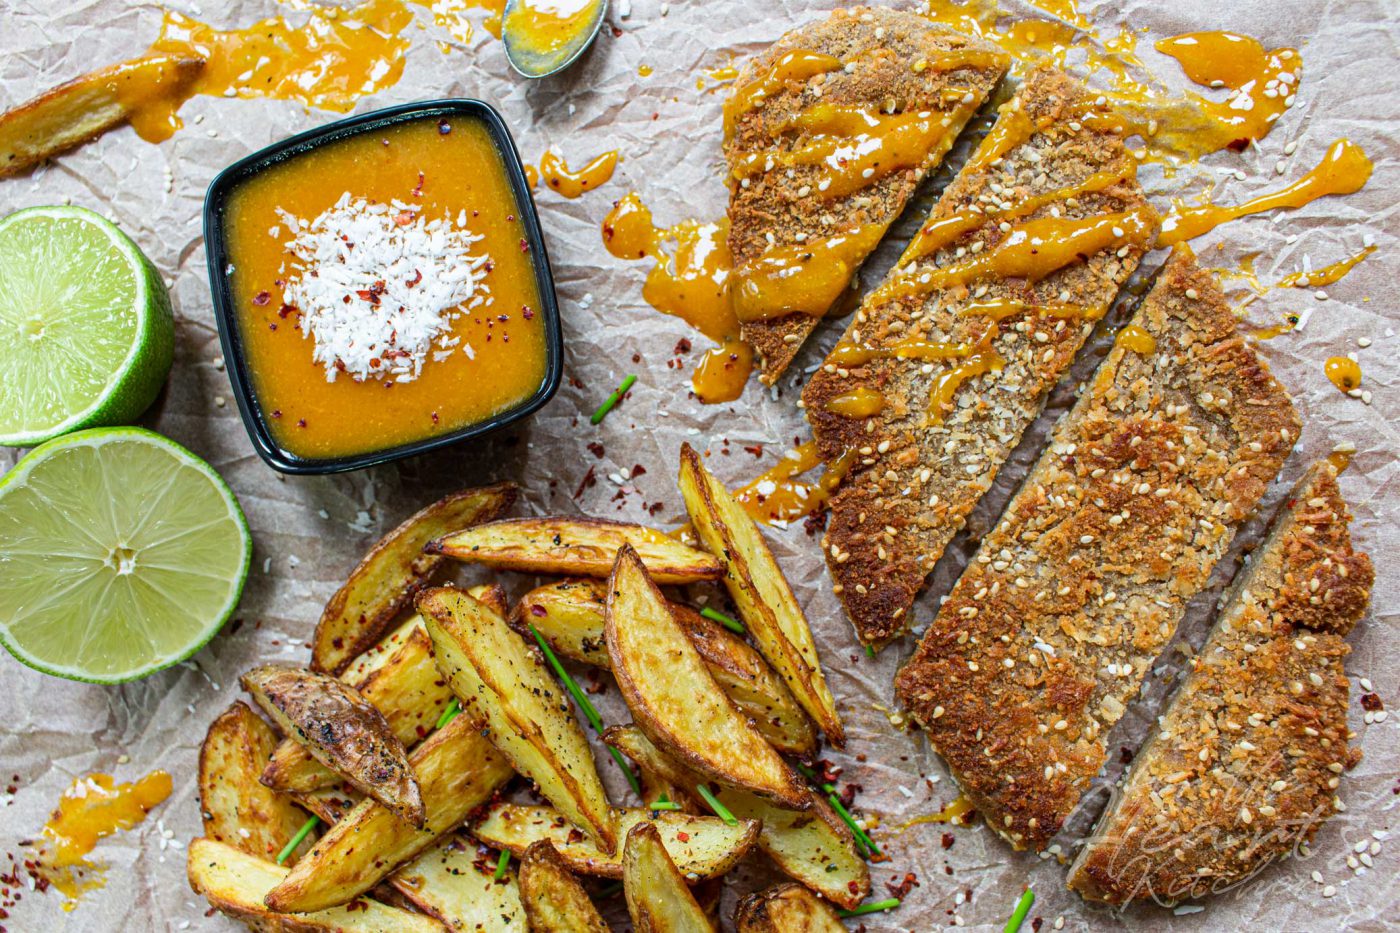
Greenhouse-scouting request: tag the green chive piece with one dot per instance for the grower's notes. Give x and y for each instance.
(889, 903)
(664, 804)
(291, 847)
(449, 713)
(612, 400)
(501, 864)
(845, 814)
(589, 711)
(1018, 916)
(870, 651)
(714, 615)
(720, 809)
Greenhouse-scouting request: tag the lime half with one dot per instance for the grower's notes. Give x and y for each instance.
(86, 331)
(120, 553)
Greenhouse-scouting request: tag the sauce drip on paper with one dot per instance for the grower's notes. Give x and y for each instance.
(1343, 372)
(777, 495)
(92, 808)
(557, 174)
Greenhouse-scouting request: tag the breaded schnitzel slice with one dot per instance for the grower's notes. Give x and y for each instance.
(949, 360)
(1246, 763)
(1047, 636)
(827, 134)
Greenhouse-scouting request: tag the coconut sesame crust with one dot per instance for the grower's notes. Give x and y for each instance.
(1245, 765)
(1053, 625)
(882, 49)
(916, 482)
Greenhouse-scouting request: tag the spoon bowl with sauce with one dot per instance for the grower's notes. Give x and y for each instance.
(543, 37)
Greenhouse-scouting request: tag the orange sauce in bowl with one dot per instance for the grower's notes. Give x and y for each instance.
(417, 163)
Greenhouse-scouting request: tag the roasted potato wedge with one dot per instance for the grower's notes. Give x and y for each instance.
(86, 107)
(331, 804)
(710, 847)
(584, 547)
(554, 900)
(569, 615)
(759, 590)
(492, 596)
(457, 771)
(394, 571)
(342, 731)
(399, 678)
(674, 699)
(657, 896)
(786, 908)
(235, 883)
(502, 682)
(814, 846)
(237, 809)
(448, 882)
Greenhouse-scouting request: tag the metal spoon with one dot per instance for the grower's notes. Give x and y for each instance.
(531, 61)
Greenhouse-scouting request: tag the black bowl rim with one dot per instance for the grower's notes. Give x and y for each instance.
(216, 253)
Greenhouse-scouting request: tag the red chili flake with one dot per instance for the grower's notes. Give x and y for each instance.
(683, 836)
(286, 310)
(301, 422)
(276, 412)
(417, 277)
(682, 346)
(405, 218)
(367, 294)
(444, 128)
(537, 610)
(654, 508)
(596, 449)
(435, 417)
(527, 313)
(272, 326)
(900, 888)
(590, 479)
(577, 836)
(636, 357)
(418, 191)
(262, 298)
(1371, 703)
(756, 450)
(524, 246)
(948, 840)
(510, 218)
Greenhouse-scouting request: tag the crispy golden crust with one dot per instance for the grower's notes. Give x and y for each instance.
(1248, 757)
(916, 481)
(1047, 636)
(883, 46)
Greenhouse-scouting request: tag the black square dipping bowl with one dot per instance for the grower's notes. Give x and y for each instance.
(234, 340)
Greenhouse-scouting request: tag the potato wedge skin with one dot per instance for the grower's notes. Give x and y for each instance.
(759, 590)
(342, 731)
(235, 883)
(86, 107)
(674, 699)
(394, 571)
(711, 849)
(457, 771)
(554, 900)
(814, 846)
(447, 883)
(236, 808)
(569, 614)
(658, 899)
(583, 547)
(503, 684)
(786, 908)
(399, 678)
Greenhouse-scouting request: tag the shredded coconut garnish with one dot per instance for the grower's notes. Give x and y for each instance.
(378, 286)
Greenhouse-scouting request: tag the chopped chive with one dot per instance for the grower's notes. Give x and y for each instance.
(501, 864)
(714, 615)
(664, 804)
(720, 809)
(291, 847)
(449, 713)
(612, 400)
(1018, 916)
(862, 837)
(889, 903)
(870, 651)
(589, 711)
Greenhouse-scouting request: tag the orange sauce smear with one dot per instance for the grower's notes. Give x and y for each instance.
(545, 27)
(1327, 275)
(691, 280)
(790, 67)
(1343, 372)
(1286, 326)
(805, 278)
(1344, 169)
(315, 418)
(1137, 339)
(451, 15)
(557, 174)
(860, 402)
(1340, 459)
(92, 808)
(955, 812)
(332, 60)
(778, 496)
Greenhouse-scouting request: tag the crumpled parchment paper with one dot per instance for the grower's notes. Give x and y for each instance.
(310, 531)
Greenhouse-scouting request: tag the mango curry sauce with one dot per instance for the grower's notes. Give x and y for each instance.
(444, 166)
